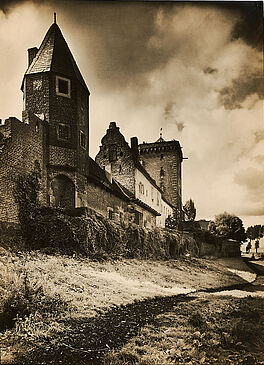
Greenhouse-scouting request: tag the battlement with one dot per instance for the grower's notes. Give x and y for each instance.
(160, 146)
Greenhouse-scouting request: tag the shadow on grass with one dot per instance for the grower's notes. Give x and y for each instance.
(91, 338)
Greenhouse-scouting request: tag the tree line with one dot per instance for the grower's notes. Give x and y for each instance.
(225, 225)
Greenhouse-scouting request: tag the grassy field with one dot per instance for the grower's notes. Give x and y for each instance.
(71, 310)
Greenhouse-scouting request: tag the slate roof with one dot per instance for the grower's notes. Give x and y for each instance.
(55, 55)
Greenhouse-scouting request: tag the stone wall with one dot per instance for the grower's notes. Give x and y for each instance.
(22, 153)
(222, 249)
(36, 94)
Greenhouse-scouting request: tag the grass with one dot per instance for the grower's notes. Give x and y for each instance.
(55, 301)
(200, 331)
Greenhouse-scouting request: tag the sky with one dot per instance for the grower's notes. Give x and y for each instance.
(193, 69)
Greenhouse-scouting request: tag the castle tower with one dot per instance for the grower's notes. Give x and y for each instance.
(116, 157)
(162, 160)
(54, 89)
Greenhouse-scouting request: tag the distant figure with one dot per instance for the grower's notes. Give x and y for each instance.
(248, 247)
(253, 257)
(256, 245)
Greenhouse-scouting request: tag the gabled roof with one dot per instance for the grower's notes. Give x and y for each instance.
(55, 55)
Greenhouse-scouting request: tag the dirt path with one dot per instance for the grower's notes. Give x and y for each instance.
(91, 340)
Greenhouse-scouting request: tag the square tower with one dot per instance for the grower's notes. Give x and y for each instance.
(162, 160)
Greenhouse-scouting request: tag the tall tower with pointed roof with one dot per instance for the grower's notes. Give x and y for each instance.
(54, 89)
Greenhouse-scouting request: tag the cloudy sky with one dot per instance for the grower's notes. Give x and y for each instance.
(192, 68)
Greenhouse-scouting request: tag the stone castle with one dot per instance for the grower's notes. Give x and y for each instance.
(138, 183)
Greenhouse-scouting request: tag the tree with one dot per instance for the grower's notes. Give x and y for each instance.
(189, 210)
(228, 226)
(255, 233)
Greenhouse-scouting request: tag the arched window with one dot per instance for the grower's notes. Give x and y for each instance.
(63, 192)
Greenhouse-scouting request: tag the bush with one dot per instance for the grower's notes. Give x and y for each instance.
(92, 235)
(21, 297)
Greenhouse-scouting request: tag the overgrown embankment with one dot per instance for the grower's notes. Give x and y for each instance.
(82, 231)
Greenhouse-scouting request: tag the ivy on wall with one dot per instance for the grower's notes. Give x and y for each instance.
(26, 192)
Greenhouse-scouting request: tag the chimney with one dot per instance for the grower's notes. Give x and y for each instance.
(32, 54)
(134, 148)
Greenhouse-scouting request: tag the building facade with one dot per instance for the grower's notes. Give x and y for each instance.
(122, 163)
(53, 137)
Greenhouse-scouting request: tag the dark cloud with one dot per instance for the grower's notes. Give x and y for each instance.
(210, 70)
(232, 96)
(250, 26)
(168, 110)
(180, 126)
(119, 34)
(6, 5)
(169, 114)
(249, 23)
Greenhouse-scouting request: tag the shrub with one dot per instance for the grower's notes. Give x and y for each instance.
(21, 297)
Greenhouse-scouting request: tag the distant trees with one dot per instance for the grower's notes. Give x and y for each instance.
(228, 226)
(189, 210)
(254, 233)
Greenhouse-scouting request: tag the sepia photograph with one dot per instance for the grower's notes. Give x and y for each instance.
(131, 182)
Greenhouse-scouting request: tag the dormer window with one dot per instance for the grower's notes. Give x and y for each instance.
(63, 132)
(63, 86)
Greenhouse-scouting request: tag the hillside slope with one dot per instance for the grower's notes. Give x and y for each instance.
(49, 298)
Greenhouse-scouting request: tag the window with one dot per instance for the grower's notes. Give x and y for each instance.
(82, 140)
(138, 218)
(110, 213)
(112, 153)
(141, 188)
(63, 132)
(63, 87)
